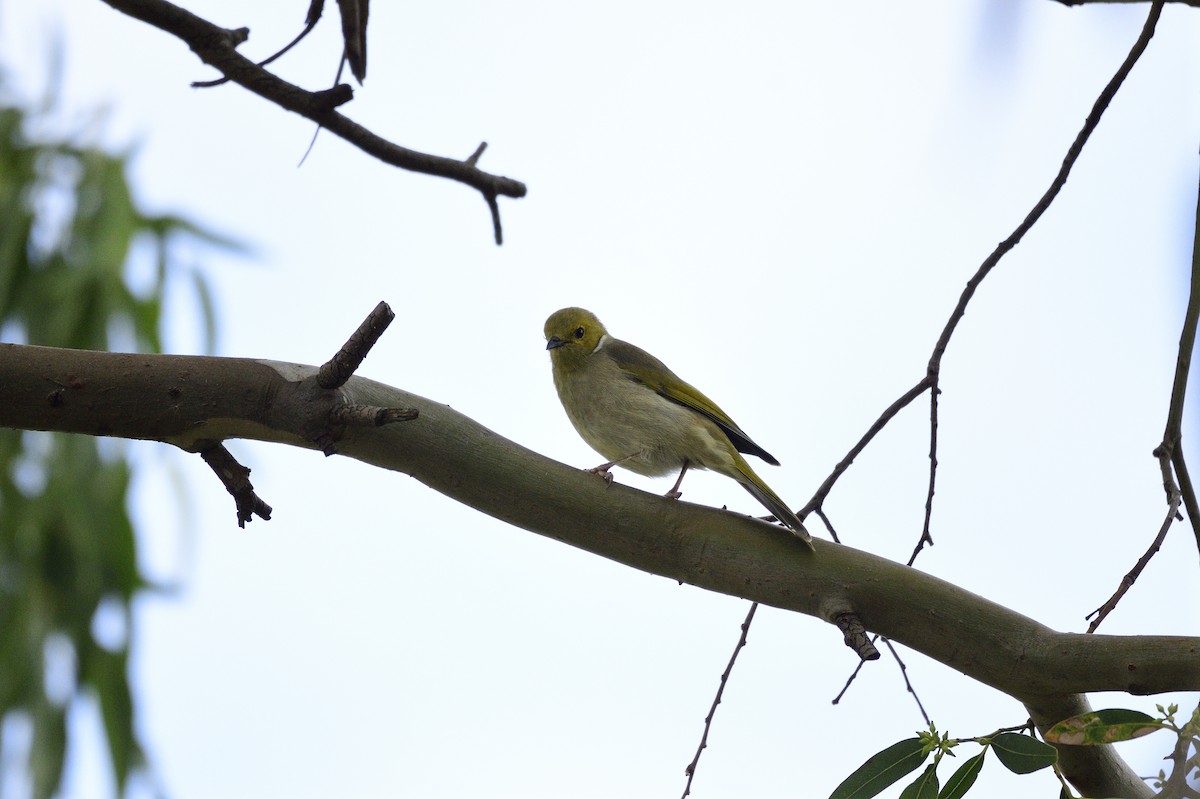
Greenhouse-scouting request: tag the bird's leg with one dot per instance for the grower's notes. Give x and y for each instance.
(603, 469)
(675, 493)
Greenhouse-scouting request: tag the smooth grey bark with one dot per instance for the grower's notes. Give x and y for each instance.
(189, 401)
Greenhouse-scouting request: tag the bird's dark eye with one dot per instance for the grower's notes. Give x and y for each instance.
(579, 332)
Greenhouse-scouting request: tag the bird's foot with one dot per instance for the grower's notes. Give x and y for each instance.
(673, 494)
(603, 471)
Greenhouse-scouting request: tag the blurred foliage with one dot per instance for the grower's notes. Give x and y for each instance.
(68, 554)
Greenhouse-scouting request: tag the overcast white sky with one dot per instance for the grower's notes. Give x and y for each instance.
(782, 201)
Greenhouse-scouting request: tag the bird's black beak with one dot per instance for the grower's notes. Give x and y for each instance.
(554, 342)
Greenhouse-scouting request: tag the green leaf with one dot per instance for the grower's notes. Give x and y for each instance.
(961, 780)
(108, 675)
(924, 786)
(1023, 754)
(50, 751)
(208, 310)
(882, 769)
(1103, 727)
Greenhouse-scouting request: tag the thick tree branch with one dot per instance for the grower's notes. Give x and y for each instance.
(1195, 3)
(190, 400)
(216, 47)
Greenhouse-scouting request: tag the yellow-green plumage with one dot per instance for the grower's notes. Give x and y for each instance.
(637, 413)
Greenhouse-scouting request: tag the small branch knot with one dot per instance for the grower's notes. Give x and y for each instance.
(856, 636)
(331, 98)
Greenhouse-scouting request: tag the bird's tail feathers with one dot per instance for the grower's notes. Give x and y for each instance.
(771, 501)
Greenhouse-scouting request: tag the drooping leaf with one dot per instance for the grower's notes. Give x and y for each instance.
(963, 778)
(1023, 754)
(69, 225)
(924, 786)
(50, 751)
(1103, 727)
(882, 769)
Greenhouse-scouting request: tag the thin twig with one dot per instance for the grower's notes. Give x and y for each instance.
(1056, 186)
(1173, 435)
(926, 537)
(690, 771)
(853, 676)
(308, 27)
(828, 524)
(1060, 180)
(907, 684)
(818, 498)
(933, 370)
(1177, 484)
(1174, 500)
(1186, 489)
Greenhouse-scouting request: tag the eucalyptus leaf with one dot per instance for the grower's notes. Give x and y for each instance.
(882, 769)
(963, 778)
(1023, 754)
(924, 786)
(1103, 727)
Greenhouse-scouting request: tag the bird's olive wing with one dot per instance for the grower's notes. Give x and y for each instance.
(643, 367)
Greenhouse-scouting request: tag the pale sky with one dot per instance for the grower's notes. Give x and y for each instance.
(782, 202)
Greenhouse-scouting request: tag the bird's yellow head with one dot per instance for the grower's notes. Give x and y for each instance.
(572, 334)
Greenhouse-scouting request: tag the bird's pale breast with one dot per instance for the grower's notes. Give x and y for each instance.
(618, 416)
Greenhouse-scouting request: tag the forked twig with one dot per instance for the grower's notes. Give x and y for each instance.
(933, 370)
(236, 479)
(217, 47)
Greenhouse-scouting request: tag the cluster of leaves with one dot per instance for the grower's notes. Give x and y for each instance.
(1019, 753)
(68, 555)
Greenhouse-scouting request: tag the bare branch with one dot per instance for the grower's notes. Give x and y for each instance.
(926, 537)
(190, 401)
(935, 360)
(1172, 444)
(853, 676)
(338, 369)
(1174, 499)
(216, 47)
(908, 686)
(309, 24)
(818, 498)
(828, 524)
(236, 479)
(690, 771)
(1056, 186)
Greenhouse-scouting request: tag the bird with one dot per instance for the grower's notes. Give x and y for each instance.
(628, 406)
